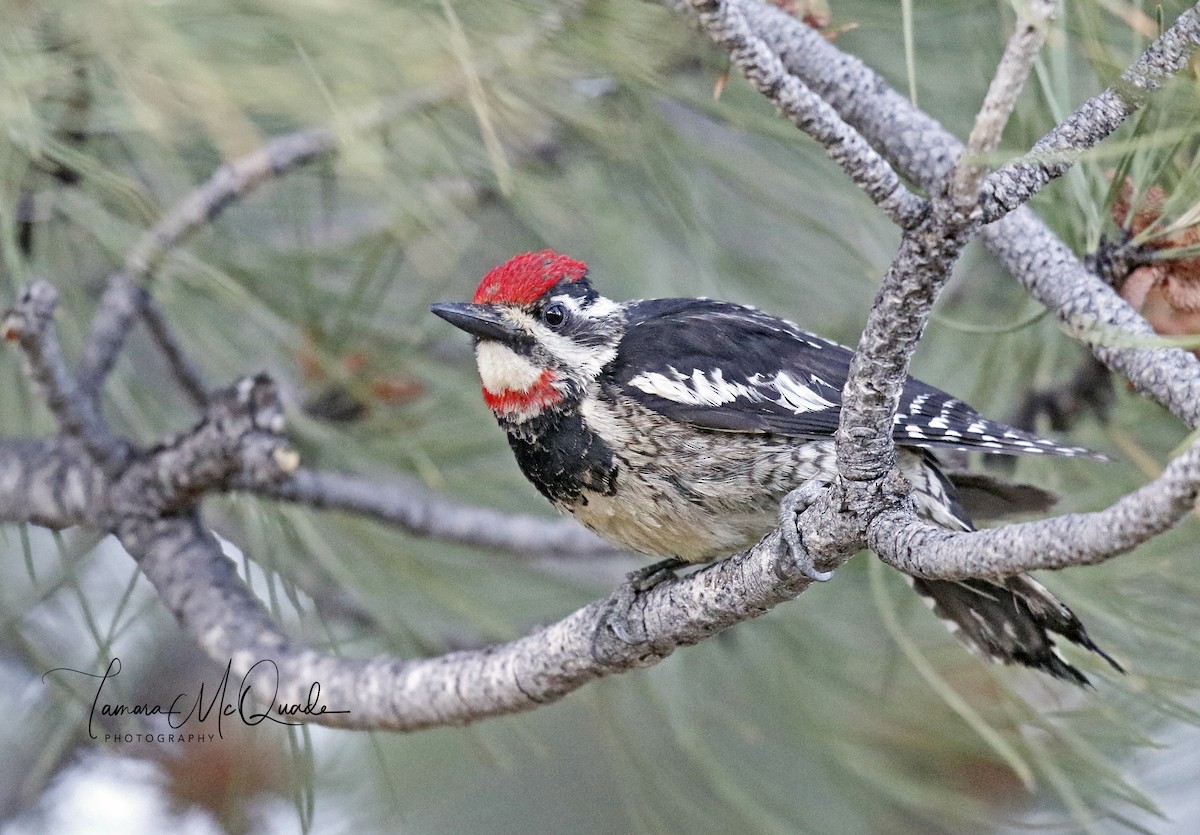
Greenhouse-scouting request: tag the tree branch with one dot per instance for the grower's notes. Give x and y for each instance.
(866, 452)
(53, 483)
(915, 547)
(1094, 120)
(1055, 276)
(201, 587)
(240, 434)
(416, 510)
(1011, 74)
(924, 151)
(150, 504)
(122, 301)
(865, 446)
(30, 323)
(727, 26)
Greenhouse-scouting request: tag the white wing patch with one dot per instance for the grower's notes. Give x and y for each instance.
(701, 388)
(798, 397)
(696, 389)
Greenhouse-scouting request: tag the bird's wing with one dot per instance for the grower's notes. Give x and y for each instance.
(722, 366)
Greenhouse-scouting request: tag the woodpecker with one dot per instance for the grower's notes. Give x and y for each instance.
(679, 427)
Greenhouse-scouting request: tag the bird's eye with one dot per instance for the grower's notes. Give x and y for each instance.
(555, 315)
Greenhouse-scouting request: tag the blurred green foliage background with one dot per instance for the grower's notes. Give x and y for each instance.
(589, 127)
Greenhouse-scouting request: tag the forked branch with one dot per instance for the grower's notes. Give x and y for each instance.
(151, 501)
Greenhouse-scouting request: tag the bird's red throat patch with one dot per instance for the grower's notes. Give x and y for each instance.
(524, 403)
(514, 386)
(523, 279)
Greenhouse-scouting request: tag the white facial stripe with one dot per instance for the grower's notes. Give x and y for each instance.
(584, 359)
(598, 309)
(503, 369)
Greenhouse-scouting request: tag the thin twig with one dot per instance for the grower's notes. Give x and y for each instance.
(1011, 74)
(120, 305)
(1051, 157)
(122, 300)
(30, 323)
(727, 26)
(418, 511)
(187, 375)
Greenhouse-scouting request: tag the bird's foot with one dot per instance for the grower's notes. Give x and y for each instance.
(793, 504)
(637, 582)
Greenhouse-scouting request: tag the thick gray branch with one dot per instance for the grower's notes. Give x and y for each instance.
(880, 366)
(52, 483)
(241, 434)
(1054, 276)
(201, 587)
(915, 547)
(56, 483)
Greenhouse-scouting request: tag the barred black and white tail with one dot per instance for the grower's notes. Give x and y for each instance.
(1011, 621)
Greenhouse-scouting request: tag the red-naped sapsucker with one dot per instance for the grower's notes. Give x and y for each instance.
(677, 428)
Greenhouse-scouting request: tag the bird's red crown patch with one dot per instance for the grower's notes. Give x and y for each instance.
(523, 279)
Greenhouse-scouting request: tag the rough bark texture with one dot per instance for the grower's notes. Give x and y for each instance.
(149, 498)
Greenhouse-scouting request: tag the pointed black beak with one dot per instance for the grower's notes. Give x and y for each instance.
(481, 320)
